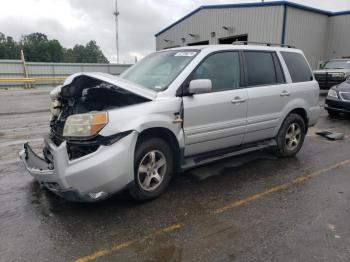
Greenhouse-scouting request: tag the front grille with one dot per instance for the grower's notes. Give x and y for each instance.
(345, 96)
(326, 80)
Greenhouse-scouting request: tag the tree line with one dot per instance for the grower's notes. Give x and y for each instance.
(38, 48)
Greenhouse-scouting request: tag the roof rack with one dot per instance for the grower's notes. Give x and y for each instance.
(261, 43)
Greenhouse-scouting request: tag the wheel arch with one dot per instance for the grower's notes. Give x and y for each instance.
(296, 106)
(302, 112)
(168, 136)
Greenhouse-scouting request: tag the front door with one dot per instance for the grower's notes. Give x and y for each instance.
(216, 120)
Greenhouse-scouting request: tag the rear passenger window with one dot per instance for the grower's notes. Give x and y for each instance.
(263, 68)
(297, 66)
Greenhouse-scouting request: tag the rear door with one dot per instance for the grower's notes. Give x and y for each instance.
(267, 93)
(217, 119)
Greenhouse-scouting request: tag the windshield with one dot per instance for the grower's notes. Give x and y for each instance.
(337, 64)
(158, 70)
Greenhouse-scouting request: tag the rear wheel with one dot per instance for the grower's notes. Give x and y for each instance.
(291, 136)
(153, 168)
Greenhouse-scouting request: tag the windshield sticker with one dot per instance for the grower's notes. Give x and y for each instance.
(185, 53)
(348, 62)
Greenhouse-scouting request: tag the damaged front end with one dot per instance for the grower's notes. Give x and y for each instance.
(78, 163)
(80, 112)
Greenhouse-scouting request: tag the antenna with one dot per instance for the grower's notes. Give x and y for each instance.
(116, 14)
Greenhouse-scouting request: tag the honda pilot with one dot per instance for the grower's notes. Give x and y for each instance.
(174, 110)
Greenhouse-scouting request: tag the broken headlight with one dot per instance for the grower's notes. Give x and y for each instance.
(85, 125)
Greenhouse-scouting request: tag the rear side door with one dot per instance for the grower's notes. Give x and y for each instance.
(216, 120)
(267, 93)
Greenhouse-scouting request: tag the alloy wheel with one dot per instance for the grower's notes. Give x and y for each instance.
(293, 136)
(151, 170)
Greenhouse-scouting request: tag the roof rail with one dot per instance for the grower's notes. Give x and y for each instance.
(261, 43)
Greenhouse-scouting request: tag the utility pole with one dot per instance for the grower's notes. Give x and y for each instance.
(26, 85)
(116, 14)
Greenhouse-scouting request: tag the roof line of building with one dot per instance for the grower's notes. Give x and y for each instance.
(259, 4)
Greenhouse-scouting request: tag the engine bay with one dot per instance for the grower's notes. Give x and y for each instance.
(86, 94)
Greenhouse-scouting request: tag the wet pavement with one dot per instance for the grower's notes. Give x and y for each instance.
(250, 208)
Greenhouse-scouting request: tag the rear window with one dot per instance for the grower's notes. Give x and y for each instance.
(263, 68)
(297, 66)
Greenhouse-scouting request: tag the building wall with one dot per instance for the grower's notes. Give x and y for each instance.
(339, 37)
(307, 31)
(262, 24)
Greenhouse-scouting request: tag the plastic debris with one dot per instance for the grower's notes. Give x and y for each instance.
(331, 135)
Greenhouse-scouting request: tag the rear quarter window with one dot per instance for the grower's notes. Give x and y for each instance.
(298, 68)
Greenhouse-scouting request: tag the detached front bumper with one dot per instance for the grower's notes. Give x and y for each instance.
(86, 179)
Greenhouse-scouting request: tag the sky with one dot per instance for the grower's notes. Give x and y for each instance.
(79, 21)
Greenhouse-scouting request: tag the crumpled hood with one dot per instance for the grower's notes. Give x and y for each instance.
(111, 79)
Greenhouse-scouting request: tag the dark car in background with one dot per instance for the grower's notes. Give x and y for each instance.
(338, 98)
(333, 73)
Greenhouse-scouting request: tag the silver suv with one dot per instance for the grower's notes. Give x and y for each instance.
(174, 110)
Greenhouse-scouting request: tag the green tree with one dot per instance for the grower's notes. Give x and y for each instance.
(94, 54)
(90, 53)
(9, 49)
(55, 51)
(38, 48)
(35, 47)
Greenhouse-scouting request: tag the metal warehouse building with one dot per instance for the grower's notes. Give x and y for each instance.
(320, 34)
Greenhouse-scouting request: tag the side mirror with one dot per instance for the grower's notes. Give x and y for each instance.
(200, 86)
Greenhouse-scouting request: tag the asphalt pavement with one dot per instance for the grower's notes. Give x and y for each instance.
(255, 207)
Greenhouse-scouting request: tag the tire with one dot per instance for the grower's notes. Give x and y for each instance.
(150, 178)
(332, 113)
(289, 142)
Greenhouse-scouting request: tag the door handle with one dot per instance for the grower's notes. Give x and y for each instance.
(285, 93)
(237, 100)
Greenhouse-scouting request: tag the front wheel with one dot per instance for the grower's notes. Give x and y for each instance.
(153, 168)
(291, 136)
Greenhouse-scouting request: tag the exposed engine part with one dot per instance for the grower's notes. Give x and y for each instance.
(86, 94)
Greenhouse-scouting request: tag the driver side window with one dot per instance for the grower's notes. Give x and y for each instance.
(223, 69)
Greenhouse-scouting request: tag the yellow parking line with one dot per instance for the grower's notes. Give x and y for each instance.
(116, 247)
(274, 189)
(237, 203)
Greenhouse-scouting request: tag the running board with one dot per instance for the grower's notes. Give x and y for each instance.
(206, 158)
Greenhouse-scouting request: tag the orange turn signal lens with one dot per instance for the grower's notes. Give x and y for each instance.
(99, 120)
